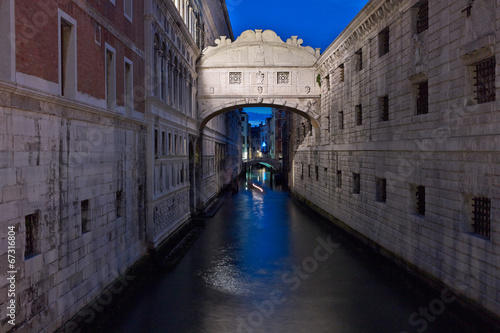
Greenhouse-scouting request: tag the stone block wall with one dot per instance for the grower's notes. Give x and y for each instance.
(450, 148)
(54, 157)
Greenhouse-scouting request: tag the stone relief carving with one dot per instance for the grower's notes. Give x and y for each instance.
(308, 90)
(170, 211)
(260, 90)
(419, 51)
(260, 54)
(261, 77)
(212, 90)
(206, 105)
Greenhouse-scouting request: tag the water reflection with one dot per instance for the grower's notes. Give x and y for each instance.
(264, 265)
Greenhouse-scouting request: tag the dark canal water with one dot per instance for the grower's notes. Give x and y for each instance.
(264, 264)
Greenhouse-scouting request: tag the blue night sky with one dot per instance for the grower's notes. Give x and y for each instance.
(317, 22)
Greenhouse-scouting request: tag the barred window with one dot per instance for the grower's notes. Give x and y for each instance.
(341, 73)
(420, 200)
(341, 120)
(235, 77)
(283, 77)
(481, 220)
(383, 42)
(423, 17)
(423, 98)
(356, 183)
(485, 80)
(359, 59)
(31, 225)
(85, 218)
(359, 115)
(384, 108)
(381, 189)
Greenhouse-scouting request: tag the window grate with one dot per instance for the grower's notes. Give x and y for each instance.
(423, 98)
(423, 18)
(283, 77)
(420, 194)
(385, 108)
(485, 80)
(31, 224)
(359, 115)
(481, 216)
(341, 73)
(235, 77)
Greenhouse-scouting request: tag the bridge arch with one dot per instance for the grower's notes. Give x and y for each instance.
(264, 161)
(259, 69)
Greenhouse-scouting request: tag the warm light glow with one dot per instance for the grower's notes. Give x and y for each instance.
(261, 189)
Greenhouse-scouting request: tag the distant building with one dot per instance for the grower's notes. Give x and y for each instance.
(245, 136)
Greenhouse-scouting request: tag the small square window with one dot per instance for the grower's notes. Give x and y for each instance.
(381, 189)
(383, 42)
(283, 77)
(356, 183)
(235, 77)
(423, 98)
(481, 219)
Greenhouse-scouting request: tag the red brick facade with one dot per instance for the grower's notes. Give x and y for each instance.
(37, 49)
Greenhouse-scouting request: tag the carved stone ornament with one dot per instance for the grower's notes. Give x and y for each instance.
(260, 77)
(260, 90)
(212, 90)
(308, 90)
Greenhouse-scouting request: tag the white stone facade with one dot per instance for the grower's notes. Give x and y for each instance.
(382, 139)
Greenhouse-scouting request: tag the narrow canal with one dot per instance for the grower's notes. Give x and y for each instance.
(264, 264)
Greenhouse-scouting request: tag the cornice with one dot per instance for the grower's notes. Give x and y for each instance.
(76, 107)
(360, 27)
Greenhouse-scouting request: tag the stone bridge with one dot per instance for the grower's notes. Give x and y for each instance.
(259, 69)
(276, 164)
